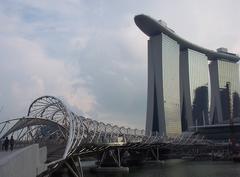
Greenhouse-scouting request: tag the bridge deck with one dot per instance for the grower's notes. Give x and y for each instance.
(5, 155)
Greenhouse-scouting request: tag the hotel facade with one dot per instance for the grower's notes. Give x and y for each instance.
(188, 85)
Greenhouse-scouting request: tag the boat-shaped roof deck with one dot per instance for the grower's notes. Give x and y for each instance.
(152, 27)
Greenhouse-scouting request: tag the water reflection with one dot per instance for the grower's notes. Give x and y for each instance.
(179, 168)
(200, 106)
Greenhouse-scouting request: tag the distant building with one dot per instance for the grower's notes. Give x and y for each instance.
(178, 82)
(225, 89)
(163, 109)
(194, 88)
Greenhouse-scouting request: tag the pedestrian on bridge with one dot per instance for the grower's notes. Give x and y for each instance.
(11, 143)
(6, 144)
(2, 143)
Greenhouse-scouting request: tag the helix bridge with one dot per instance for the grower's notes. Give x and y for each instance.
(67, 135)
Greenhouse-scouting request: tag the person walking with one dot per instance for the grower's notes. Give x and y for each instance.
(2, 143)
(11, 143)
(6, 144)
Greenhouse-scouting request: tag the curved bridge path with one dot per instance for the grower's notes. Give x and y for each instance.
(67, 135)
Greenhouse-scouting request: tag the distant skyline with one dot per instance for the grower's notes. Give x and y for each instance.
(92, 55)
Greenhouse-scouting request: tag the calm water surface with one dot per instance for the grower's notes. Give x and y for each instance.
(179, 168)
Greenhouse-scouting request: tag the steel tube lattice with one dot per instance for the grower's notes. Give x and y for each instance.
(49, 121)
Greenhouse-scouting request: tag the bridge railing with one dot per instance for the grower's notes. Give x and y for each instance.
(50, 122)
(48, 119)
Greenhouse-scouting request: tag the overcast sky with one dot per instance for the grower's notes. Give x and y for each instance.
(91, 54)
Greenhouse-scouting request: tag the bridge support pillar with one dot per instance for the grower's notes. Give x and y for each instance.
(155, 153)
(111, 156)
(71, 166)
(111, 161)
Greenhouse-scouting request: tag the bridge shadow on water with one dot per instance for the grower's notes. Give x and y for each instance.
(178, 168)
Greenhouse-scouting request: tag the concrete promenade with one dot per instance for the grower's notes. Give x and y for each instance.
(23, 162)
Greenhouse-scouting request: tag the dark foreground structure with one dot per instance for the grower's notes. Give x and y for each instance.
(219, 133)
(180, 74)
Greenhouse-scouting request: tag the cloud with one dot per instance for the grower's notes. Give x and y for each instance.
(115, 71)
(94, 71)
(91, 54)
(29, 72)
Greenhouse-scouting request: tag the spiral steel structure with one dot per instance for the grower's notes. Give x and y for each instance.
(49, 122)
(65, 134)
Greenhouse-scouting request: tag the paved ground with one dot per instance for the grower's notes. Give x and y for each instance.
(5, 154)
